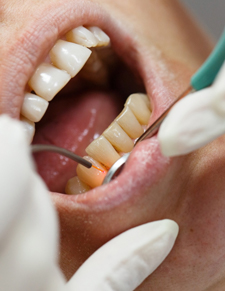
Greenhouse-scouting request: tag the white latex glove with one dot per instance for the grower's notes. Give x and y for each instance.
(29, 233)
(195, 120)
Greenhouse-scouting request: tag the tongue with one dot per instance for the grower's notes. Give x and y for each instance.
(71, 123)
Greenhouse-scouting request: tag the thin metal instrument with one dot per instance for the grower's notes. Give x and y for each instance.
(51, 148)
(203, 78)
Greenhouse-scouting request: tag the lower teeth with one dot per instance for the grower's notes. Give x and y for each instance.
(114, 141)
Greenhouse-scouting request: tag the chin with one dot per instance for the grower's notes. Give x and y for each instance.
(141, 55)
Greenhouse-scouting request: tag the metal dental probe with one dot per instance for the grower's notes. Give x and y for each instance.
(203, 78)
(51, 148)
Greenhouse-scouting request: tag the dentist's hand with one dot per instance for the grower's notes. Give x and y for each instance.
(29, 234)
(195, 120)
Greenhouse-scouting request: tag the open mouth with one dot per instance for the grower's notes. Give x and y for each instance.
(89, 102)
(143, 58)
(93, 98)
(84, 82)
(91, 95)
(154, 49)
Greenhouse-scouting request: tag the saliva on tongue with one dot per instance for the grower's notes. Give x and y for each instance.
(71, 122)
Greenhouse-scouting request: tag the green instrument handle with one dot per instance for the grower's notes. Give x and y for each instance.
(205, 76)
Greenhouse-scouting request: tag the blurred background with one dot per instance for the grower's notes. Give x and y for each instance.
(211, 14)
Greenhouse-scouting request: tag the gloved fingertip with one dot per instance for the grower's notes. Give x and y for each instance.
(167, 140)
(127, 260)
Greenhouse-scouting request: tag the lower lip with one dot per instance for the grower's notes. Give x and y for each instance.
(143, 169)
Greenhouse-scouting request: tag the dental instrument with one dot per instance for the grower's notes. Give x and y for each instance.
(51, 148)
(203, 78)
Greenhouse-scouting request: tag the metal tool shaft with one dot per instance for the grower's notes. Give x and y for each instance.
(42, 147)
(155, 126)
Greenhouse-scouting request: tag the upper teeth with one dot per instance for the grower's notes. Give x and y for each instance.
(103, 39)
(47, 81)
(33, 107)
(68, 58)
(82, 36)
(29, 128)
(114, 140)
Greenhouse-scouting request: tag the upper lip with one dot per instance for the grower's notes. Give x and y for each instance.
(31, 48)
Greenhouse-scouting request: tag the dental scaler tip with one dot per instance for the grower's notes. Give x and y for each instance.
(51, 148)
(98, 169)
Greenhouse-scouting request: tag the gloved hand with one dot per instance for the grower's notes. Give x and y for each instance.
(29, 233)
(195, 120)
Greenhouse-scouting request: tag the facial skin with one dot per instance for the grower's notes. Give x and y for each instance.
(164, 45)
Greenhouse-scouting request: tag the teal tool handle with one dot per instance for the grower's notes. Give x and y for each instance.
(205, 76)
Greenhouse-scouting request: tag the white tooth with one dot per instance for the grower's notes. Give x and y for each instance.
(146, 99)
(33, 107)
(91, 176)
(47, 81)
(102, 37)
(29, 128)
(76, 186)
(82, 36)
(129, 123)
(118, 138)
(137, 103)
(102, 151)
(68, 56)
